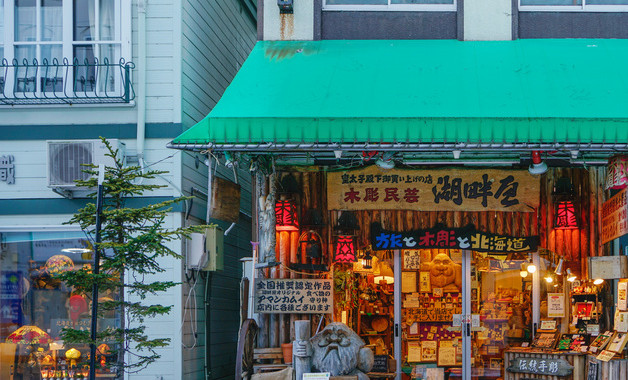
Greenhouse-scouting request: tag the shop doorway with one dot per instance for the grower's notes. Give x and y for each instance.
(456, 311)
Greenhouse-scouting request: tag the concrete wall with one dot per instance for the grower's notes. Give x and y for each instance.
(296, 26)
(487, 20)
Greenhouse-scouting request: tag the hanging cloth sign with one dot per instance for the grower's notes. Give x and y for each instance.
(373, 188)
(450, 238)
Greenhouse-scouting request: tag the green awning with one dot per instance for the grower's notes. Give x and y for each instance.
(414, 93)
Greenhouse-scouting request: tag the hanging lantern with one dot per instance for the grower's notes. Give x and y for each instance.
(344, 249)
(565, 216)
(286, 216)
(309, 244)
(617, 173)
(367, 261)
(565, 210)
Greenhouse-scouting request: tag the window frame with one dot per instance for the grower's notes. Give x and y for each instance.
(573, 8)
(392, 7)
(122, 15)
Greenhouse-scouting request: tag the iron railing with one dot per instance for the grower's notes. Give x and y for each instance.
(88, 82)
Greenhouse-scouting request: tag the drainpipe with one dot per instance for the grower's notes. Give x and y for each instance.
(141, 81)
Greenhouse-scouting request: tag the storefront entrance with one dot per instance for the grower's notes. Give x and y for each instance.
(455, 311)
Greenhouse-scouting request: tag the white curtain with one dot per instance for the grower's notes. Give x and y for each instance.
(25, 20)
(107, 20)
(51, 20)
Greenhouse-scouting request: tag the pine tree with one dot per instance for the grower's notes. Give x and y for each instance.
(132, 242)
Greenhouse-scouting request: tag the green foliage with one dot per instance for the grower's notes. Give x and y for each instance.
(132, 242)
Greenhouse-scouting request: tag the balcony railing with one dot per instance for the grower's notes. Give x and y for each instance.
(87, 82)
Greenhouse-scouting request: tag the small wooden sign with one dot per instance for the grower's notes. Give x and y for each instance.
(295, 296)
(225, 200)
(380, 363)
(541, 366)
(593, 369)
(372, 188)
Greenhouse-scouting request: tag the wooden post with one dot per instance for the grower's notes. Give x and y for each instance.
(301, 360)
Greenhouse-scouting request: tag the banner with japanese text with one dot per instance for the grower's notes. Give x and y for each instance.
(450, 238)
(373, 188)
(273, 295)
(615, 217)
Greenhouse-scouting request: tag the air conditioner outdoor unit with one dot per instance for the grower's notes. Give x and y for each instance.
(67, 159)
(206, 250)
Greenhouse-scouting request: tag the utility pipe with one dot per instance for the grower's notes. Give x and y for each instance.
(141, 81)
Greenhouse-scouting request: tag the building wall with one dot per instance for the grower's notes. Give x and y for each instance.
(163, 79)
(487, 20)
(573, 25)
(357, 25)
(216, 38)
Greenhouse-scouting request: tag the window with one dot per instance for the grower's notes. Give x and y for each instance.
(36, 306)
(574, 5)
(392, 5)
(64, 45)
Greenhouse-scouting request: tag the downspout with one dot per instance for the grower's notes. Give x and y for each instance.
(141, 81)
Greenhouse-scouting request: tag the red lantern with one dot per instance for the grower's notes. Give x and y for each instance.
(565, 216)
(345, 251)
(286, 216)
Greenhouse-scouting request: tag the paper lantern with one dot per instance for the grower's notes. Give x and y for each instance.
(345, 251)
(565, 215)
(617, 172)
(286, 216)
(59, 264)
(29, 335)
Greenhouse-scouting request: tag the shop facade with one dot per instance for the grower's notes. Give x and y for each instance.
(456, 221)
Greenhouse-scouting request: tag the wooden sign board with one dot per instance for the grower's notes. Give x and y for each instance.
(372, 188)
(380, 363)
(225, 200)
(294, 296)
(615, 216)
(593, 370)
(541, 366)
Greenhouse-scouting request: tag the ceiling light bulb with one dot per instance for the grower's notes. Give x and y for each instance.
(570, 276)
(598, 281)
(523, 273)
(549, 279)
(531, 268)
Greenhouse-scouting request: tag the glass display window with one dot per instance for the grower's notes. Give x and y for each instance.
(36, 306)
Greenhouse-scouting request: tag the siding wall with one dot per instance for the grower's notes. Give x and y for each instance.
(217, 36)
(31, 167)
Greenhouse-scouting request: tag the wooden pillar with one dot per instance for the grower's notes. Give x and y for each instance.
(301, 361)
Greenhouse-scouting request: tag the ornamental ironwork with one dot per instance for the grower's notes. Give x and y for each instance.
(91, 81)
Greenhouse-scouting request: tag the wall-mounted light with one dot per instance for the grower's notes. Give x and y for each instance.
(345, 249)
(565, 212)
(285, 6)
(570, 276)
(538, 166)
(559, 267)
(286, 216)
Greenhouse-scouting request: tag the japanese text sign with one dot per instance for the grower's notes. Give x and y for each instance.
(541, 366)
(450, 238)
(373, 188)
(7, 170)
(615, 217)
(298, 296)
